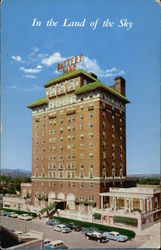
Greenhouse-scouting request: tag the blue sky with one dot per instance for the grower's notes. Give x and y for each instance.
(30, 55)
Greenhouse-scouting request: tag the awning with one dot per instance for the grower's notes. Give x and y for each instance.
(42, 211)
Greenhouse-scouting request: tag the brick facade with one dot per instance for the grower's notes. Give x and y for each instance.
(78, 140)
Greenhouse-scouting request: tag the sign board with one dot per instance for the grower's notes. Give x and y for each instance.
(70, 64)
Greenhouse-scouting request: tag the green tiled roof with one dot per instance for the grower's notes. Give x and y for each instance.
(97, 84)
(69, 75)
(38, 102)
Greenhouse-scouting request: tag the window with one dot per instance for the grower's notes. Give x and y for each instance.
(81, 126)
(81, 117)
(104, 173)
(81, 136)
(81, 184)
(73, 118)
(121, 172)
(113, 156)
(113, 172)
(81, 155)
(91, 115)
(104, 145)
(91, 185)
(73, 127)
(113, 146)
(81, 165)
(104, 135)
(81, 107)
(104, 155)
(104, 125)
(91, 165)
(91, 135)
(69, 184)
(91, 174)
(90, 144)
(81, 174)
(68, 175)
(91, 124)
(90, 155)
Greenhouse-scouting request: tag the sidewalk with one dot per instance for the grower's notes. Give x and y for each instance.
(154, 232)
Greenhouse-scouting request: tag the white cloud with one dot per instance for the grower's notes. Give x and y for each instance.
(12, 87)
(54, 58)
(39, 67)
(30, 70)
(30, 76)
(30, 88)
(35, 49)
(17, 58)
(91, 65)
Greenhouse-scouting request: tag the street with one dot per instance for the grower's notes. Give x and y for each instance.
(71, 240)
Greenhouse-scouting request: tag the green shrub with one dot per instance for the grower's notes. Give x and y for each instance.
(129, 233)
(97, 216)
(126, 220)
(34, 215)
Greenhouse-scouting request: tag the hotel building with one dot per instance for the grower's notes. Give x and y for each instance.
(78, 140)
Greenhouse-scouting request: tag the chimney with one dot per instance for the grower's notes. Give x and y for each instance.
(120, 85)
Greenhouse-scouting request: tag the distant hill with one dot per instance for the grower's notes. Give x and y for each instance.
(146, 176)
(16, 173)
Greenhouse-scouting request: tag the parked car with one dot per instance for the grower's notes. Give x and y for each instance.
(74, 227)
(25, 217)
(13, 215)
(62, 228)
(97, 237)
(86, 230)
(4, 213)
(115, 236)
(47, 241)
(56, 244)
(94, 230)
(53, 222)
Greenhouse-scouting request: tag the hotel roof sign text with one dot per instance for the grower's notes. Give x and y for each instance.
(69, 65)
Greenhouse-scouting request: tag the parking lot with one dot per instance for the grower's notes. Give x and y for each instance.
(71, 240)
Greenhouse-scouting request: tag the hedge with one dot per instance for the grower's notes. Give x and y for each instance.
(126, 220)
(34, 215)
(129, 233)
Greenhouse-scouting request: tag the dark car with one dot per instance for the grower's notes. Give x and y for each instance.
(74, 227)
(96, 237)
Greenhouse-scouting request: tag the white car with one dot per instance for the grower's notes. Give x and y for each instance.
(24, 217)
(62, 228)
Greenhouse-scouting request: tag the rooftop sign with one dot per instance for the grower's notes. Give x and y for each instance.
(70, 64)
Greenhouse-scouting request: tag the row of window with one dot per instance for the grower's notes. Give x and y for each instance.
(61, 174)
